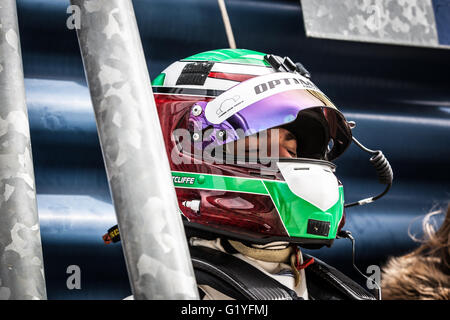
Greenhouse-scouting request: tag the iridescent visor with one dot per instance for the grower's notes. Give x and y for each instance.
(272, 101)
(279, 109)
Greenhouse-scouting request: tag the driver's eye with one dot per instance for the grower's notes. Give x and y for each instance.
(293, 154)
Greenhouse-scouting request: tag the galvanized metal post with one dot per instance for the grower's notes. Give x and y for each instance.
(152, 234)
(21, 262)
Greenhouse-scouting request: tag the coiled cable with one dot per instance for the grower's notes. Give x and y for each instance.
(383, 169)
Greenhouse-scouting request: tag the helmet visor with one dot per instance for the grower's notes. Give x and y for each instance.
(289, 101)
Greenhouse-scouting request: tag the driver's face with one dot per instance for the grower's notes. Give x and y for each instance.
(287, 144)
(287, 147)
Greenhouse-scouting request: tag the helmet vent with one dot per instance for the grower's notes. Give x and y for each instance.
(195, 73)
(318, 228)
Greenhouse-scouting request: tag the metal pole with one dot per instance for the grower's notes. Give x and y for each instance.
(21, 262)
(152, 233)
(227, 24)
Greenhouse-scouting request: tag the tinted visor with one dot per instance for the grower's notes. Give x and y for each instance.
(320, 129)
(307, 114)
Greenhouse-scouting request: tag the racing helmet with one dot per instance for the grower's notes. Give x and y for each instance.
(217, 99)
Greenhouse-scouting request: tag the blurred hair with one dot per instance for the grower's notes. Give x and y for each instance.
(423, 274)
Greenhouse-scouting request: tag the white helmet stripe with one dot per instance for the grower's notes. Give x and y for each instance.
(253, 90)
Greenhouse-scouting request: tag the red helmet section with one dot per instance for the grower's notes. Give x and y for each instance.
(242, 215)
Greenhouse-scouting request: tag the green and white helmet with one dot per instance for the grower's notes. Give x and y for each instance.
(217, 99)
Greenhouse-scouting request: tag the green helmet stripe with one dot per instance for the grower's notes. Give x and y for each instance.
(231, 56)
(222, 183)
(159, 80)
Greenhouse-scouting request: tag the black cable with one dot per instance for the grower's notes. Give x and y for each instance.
(348, 235)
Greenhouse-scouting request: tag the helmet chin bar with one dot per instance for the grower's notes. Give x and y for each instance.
(383, 169)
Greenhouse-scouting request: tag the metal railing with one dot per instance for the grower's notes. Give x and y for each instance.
(144, 198)
(21, 261)
(152, 233)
